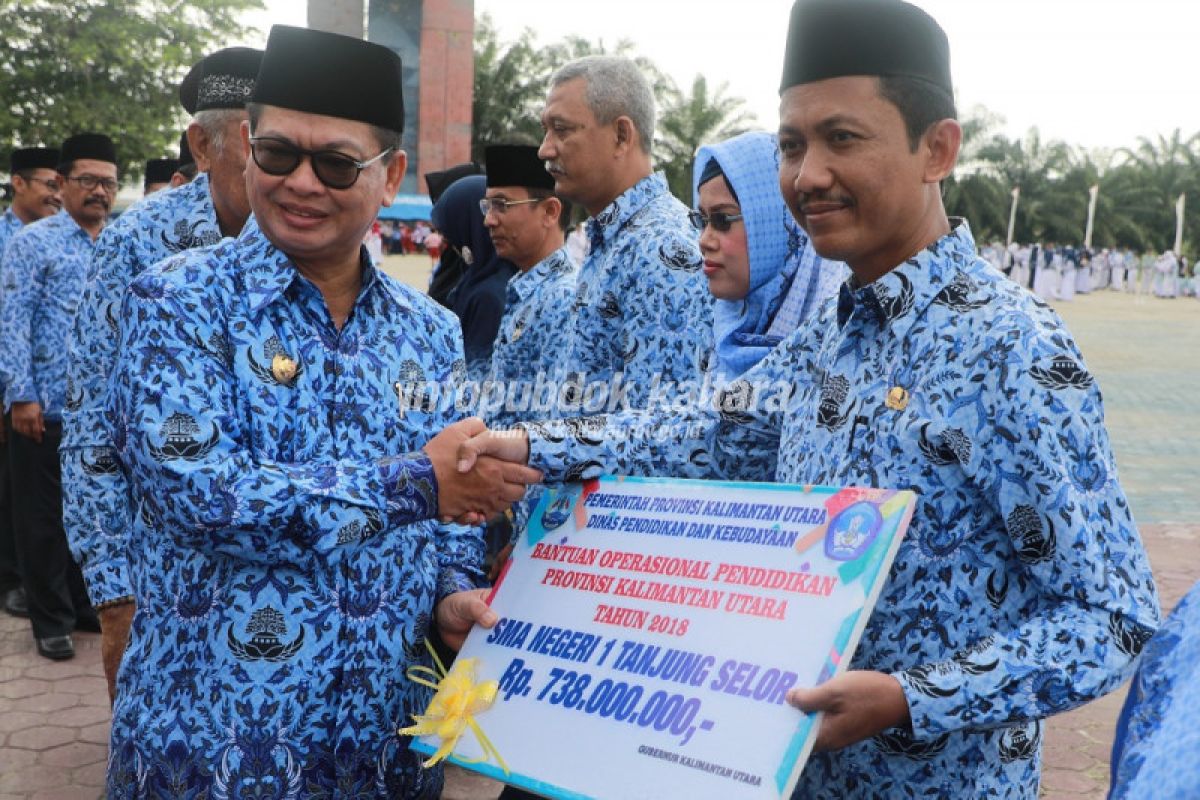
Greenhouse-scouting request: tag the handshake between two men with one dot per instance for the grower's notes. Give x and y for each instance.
(480, 473)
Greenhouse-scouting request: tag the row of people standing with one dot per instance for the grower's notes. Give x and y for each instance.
(1055, 272)
(280, 529)
(261, 535)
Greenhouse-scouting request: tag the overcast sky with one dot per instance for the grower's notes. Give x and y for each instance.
(1097, 73)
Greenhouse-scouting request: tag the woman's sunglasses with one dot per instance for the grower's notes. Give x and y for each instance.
(719, 220)
(335, 170)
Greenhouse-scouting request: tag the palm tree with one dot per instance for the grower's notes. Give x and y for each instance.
(690, 120)
(976, 190)
(510, 87)
(1157, 171)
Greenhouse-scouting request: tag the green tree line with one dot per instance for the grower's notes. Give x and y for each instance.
(109, 66)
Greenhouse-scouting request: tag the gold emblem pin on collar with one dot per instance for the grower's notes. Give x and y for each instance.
(897, 398)
(284, 369)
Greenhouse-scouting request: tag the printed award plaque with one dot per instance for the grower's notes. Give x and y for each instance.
(650, 630)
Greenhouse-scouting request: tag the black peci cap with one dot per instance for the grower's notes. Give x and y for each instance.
(223, 79)
(95, 146)
(516, 165)
(887, 38)
(160, 170)
(318, 72)
(33, 158)
(438, 182)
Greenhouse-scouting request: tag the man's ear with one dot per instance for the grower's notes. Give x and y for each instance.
(201, 146)
(395, 176)
(626, 133)
(941, 142)
(552, 210)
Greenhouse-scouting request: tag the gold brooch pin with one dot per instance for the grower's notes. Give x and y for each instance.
(897, 398)
(284, 369)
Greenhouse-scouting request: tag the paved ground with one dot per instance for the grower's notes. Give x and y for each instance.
(54, 717)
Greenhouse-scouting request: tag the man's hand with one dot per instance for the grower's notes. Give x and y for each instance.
(511, 446)
(857, 705)
(114, 639)
(27, 420)
(461, 611)
(487, 486)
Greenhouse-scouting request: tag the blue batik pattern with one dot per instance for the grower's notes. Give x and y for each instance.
(642, 307)
(1021, 589)
(282, 557)
(531, 347)
(96, 511)
(42, 277)
(1157, 752)
(9, 223)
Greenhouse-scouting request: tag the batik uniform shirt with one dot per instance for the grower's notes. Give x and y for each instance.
(282, 556)
(1021, 588)
(9, 223)
(96, 511)
(1155, 754)
(642, 307)
(532, 345)
(41, 278)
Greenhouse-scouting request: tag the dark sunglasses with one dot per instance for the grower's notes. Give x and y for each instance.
(335, 170)
(719, 220)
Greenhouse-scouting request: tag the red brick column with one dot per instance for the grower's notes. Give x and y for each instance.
(447, 83)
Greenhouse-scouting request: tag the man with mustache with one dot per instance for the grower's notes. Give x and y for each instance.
(96, 511)
(286, 555)
(643, 322)
(42, 275)
(1021, 588)
(36, 195)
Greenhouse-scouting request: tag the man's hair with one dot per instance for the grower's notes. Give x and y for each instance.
(214, 121)
(188, 170)
(921, 104)
(564, 216)
(384, 137)
(615, 88)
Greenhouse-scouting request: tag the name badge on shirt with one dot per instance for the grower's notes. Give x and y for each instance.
(897, 398)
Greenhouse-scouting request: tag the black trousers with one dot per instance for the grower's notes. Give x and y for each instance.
(53, 583)
(10, 572)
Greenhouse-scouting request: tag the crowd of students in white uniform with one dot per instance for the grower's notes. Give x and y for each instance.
(1059, 272)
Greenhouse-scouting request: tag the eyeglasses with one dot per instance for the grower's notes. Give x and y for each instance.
(49, 183)
(501, 205)
(335, 170)
(719, 220)
(90, 182)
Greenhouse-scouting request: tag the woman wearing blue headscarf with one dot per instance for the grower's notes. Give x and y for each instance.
(759, 263)
(479, 298)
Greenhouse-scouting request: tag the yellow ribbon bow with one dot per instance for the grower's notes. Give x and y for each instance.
(456, 700)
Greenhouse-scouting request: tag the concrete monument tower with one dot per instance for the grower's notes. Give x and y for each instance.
(434, 39)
